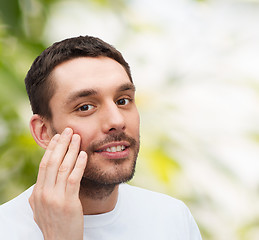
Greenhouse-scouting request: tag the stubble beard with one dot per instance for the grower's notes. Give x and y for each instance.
(96, 183)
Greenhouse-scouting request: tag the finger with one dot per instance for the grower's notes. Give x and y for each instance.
(74, 179)
(68, 163)
(56, 158)
(44, 161)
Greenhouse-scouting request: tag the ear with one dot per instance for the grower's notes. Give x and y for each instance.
(40, 130)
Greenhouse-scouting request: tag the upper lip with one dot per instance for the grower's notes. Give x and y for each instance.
(113, 144)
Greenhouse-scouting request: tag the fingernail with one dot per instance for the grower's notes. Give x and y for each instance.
(82, 160)
(56, 137)
(82, 154)
(75, 137)
(67, 131)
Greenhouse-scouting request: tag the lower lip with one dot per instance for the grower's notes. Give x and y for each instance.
(115, 155)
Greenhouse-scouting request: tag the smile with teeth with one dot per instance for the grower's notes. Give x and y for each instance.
(113, 149)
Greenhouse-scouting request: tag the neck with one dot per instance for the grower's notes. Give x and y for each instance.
(97, 198)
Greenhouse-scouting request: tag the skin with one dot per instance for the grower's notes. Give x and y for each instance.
(94, 101)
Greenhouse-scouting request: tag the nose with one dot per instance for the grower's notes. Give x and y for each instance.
(113, 119)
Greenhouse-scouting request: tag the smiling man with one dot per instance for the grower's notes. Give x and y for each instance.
(84, 115)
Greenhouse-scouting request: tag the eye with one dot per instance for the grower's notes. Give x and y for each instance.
(85, 107)
(123, 101)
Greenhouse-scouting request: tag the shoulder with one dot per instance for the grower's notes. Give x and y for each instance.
(18, 203)
(159, 210)
(148, 196)
(17, 214)
(150, 201)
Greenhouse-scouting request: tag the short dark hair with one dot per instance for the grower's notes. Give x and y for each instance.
(39, 85)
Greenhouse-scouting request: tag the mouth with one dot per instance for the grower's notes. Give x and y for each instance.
(114, 150)
(114, 147)
(119, 148)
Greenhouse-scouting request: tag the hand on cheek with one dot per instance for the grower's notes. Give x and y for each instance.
(55, 199)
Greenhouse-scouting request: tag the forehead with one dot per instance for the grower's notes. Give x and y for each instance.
(87, 72)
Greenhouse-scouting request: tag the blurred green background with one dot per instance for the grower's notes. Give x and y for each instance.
(195, 65)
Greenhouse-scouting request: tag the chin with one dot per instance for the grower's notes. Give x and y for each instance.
(120, 172)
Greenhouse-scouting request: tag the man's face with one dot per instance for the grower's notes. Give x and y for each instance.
(95, 97)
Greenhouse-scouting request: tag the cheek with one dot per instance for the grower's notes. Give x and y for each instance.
(89, 131)
(133, 123)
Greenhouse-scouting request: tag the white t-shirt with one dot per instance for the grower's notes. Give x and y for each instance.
(138, 215)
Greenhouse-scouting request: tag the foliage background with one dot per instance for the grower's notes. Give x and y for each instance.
(195, 65)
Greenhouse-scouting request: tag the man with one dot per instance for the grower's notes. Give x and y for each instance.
(84, 115)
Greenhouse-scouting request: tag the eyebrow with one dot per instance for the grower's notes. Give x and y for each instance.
(126, 87)
(81, 94)
(92, 92)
